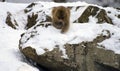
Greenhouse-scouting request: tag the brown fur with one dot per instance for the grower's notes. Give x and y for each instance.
(61, 18)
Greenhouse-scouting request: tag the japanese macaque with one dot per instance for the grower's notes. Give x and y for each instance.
(61, 18)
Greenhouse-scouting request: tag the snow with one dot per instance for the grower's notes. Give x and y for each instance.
(112, 43)
(113, 15)
(50, 38)
(10, 56)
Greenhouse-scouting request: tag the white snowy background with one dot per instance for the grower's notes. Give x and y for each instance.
(10, 56)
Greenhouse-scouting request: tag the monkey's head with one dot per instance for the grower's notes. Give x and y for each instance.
(59, 24)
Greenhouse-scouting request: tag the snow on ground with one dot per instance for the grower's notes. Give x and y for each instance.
(10, 56)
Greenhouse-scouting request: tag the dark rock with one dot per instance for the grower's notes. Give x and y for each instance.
(102, 17)
(27, 10)
(29, 7)
(31, 20)
(9, 21)
(93, 11)
(103, 67)
(118, 8)
(118, 16)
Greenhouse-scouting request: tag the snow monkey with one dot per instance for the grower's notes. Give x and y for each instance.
(61, 18)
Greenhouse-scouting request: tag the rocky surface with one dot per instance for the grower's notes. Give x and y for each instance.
(96, 12)
(31, 15)
(10, 22)
(27, 18)
(83, 56)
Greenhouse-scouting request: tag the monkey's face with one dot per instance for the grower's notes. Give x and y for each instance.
(60, 15)
(59, 24)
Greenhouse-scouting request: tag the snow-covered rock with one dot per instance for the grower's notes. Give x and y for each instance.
(39, 12)
(90, 46)
(94, 12)
(86, 46)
